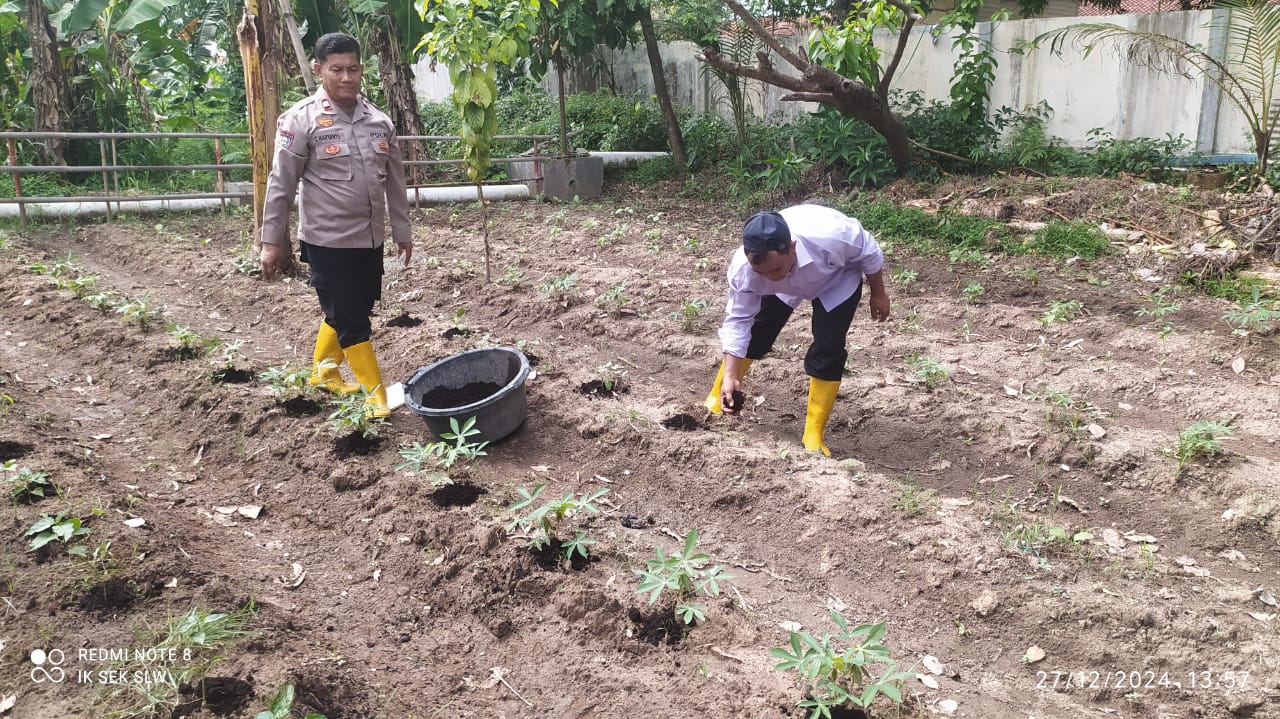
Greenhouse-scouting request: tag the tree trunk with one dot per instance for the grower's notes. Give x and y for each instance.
(397, 89)
(660, 87)
(817, 83)
(49, 88)
(262, 50)
(564, 114)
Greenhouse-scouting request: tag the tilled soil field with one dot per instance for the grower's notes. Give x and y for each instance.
(1005, 491)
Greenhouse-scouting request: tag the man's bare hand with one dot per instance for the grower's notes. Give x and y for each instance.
(728, 386)
(879, 304)
(405, 253)
(276, 260)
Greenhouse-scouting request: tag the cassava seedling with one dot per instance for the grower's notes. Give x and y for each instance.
(351, 414)
(282, 706)
(543, 524)
(1201, 441)
(684, 573)
(841, 668)
(929, 370)
(282, 381)
(456, 447)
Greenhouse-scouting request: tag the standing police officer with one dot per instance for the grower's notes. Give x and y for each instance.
(344, 152)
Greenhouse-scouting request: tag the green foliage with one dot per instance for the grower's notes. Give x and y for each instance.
(1161, 304)
(282, 706)
(929, 370)
(973, 291)
(472, 40)
(138, 310)
(1066, 239)
(654, 170)
(611, 374)
(1237, 288)
(558, 287)
(841, 668)
(455, 447)
(351, 414)
(683, 573)
(847, 146)
(1258, 316)
(1060, 311)
(691, 313)
(282, 381)
(614, 298)
(543, 524)
(930, 234)
(1201, 440)
(61, 527)
(708, 141)
(27, 485)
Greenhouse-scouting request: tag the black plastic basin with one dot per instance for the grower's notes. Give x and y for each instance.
(497, 415)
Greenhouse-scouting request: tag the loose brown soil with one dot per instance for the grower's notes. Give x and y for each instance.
(932, 515)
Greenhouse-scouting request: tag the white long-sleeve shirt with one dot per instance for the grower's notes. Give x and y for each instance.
(833, 253)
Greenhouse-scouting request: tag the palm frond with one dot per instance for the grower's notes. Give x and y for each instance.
(1157, 52)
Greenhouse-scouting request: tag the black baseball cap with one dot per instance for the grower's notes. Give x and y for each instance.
(765, 232)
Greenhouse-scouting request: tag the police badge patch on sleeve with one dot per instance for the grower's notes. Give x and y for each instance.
(284, 139)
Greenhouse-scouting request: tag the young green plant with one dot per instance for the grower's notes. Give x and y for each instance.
(455, 447)
(60, 527)
(1201, 441)
(351, 414)
(543, 524)
(849, 667)
(27, 485)
(683, 573)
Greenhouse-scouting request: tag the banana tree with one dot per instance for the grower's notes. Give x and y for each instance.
(1246, 73)
(472, 38)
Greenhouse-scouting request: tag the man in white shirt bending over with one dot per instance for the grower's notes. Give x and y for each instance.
(806, 252)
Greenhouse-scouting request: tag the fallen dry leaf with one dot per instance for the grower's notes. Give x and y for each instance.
(1096, 431)
(1033, 655)
(931, 663)
(927, 680)
(1266, 597)
(1140, 538)
(249, 510)
(791, 626)
(295, 580)
(948, 706)
(135, 522)
(1262, 617)
(1237, 365)
(7, 703)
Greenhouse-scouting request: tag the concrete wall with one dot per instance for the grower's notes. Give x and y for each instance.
(1100, 91)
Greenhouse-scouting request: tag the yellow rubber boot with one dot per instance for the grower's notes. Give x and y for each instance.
(329, 354)
(822, 397)
(713, 400)
(365, 365)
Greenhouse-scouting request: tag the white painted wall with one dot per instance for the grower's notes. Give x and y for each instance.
(1100, 91)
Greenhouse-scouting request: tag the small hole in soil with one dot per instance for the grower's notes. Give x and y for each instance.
(404, 319)
(596, 388)
(222, 695)
(660, 627)
(449, 397)
(681, 422)
(457, 495)
(231, 375)
(354, 443)
(551, 557)
(116, 594)
(179, 354)
(14, 450)
(334, 696)
(301, 407)
(454, 332)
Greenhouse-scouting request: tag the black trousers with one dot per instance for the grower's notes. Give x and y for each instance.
(827, 354)
(347, 281)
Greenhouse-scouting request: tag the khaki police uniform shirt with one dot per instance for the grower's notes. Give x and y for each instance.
(351, 174)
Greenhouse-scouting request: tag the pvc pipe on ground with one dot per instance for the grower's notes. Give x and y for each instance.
(430, 195)
(623, 158)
